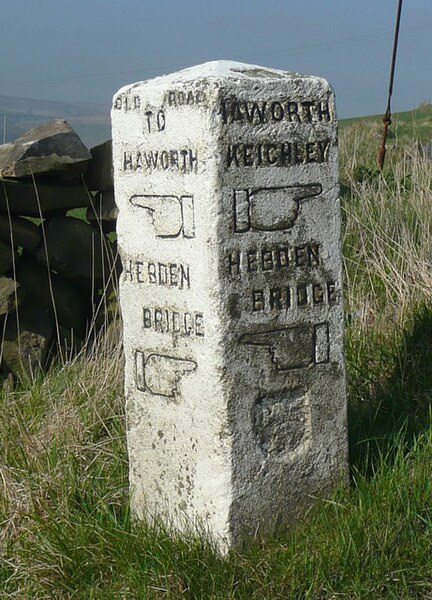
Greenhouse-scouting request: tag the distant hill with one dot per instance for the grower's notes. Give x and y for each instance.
(90, 121)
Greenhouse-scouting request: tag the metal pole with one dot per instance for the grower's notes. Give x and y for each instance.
(387, 116)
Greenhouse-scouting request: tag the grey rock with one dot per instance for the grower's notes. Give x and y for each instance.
(11, 294)
(65, 301)
(33, 199)
(99, 176)
(52, 148)
(19, 232)
(75, 249)
(27, 339)
(103, 211)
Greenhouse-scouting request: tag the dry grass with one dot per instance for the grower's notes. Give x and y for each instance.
(388, 287)
(55, 429)
(388, 240)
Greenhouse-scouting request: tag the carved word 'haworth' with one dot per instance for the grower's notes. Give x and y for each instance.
(184, 160)
(275, 111)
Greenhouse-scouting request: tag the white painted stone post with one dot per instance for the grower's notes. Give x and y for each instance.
(226, 180)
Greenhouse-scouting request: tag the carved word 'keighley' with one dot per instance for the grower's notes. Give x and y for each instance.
(277, 154)
(259, 113)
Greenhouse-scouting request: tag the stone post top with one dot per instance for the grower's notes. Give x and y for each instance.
(224, 70)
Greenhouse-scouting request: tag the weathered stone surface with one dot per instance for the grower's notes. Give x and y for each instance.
(99, 176)
(27, 339)
(19, 232)
(24, 198)
(52, 148)
(65, 301)
(6, 258)
(226, 179)
(104, 211)
(75, 249)
(11, 294)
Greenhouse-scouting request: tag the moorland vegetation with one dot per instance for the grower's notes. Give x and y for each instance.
(66, 530)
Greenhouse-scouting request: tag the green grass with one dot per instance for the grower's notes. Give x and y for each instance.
(66, 531)
(406, 127)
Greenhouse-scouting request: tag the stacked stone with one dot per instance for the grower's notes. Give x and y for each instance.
(56, 269)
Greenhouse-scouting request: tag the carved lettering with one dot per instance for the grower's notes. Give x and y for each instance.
(277, 154)
(155, 118)
(184, 160)
(262, 112)
(154, 121)
(279, 297)
(173, 321)
(267, 259)
(184, 98)
(157, 273)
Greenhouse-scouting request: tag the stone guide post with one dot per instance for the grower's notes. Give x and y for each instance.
(226, 180)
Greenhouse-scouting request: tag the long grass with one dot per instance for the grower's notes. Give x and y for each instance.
(66, 530)
(388, 289)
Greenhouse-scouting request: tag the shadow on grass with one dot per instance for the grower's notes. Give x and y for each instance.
(391, 394)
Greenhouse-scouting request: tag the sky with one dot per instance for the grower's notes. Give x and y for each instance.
(85, 50)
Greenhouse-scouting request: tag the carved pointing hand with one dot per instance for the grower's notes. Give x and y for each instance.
(165, 211)
(271, 209)
(290, 348)
(163, 373)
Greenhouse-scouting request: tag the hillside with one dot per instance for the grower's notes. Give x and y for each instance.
(406, 126)
(91, 121)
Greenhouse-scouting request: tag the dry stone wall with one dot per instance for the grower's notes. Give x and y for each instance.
(57, 250)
